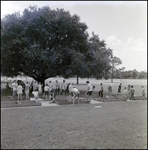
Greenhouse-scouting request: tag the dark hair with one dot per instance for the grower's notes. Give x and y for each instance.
(87, 81)
(132, 86)
(100, 83)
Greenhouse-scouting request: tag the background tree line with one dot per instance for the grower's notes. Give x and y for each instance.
(130, 74)
(43, 43)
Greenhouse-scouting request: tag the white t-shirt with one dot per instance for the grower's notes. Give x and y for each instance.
(14, 86)
(89, 87)
(70, 88)
(40, 87)
(125, 91)
(46, 88)
(19, 89)
(63, 86)
(36, 94)
(75, 90)
(50, 86)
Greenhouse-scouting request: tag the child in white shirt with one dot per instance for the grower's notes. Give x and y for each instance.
(143, 93)
(46, 90)
(36, 94)
(125, 94)
(19, 92)
(76, 93)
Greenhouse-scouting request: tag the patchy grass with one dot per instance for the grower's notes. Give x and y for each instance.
(121, 125)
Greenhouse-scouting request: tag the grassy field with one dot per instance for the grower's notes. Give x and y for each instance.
(115, 125)
(119, 125)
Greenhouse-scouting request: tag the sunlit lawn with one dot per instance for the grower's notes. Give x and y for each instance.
(115, 125)
(120, 125)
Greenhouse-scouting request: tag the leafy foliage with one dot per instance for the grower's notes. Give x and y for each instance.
(45, 43)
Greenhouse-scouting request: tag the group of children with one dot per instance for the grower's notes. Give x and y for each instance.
(129, 92)
(49, 93)
(73, 92)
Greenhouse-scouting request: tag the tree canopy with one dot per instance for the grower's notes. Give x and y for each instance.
(45, 43)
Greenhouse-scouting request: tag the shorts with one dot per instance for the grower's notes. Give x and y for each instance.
(19, 92)
(27, 92)
(46, 92)
(89, 93)
(76, 93)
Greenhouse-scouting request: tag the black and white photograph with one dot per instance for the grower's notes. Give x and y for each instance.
(73, 74)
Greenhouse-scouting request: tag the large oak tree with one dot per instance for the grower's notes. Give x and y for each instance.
(44, 43)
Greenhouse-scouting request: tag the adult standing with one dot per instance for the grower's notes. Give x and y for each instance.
(63, 87)
(132, 93)
(14, 87)
(89, 91)
(101, 91)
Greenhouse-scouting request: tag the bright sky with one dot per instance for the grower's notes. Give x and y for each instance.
(122, 24)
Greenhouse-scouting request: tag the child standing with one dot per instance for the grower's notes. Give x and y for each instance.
(125, 92)
(46, 91)
(27, 88)
(35, 93)
(129, 91)
(8, 88)
(40, 88)
(119, 88)
(14, 87)
(143, 93)
(89, 91)
(132, 93)
(50, 87)
(110, 90)
(63, 87)
(19, 92)
(101, 91)
(70, 92)
(57, 92)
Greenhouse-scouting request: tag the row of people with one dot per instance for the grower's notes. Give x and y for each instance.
(128, 92)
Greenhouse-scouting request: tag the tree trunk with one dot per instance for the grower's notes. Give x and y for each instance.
(43, 84)
(77, 79)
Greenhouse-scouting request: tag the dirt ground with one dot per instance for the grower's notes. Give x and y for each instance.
(115, 125)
